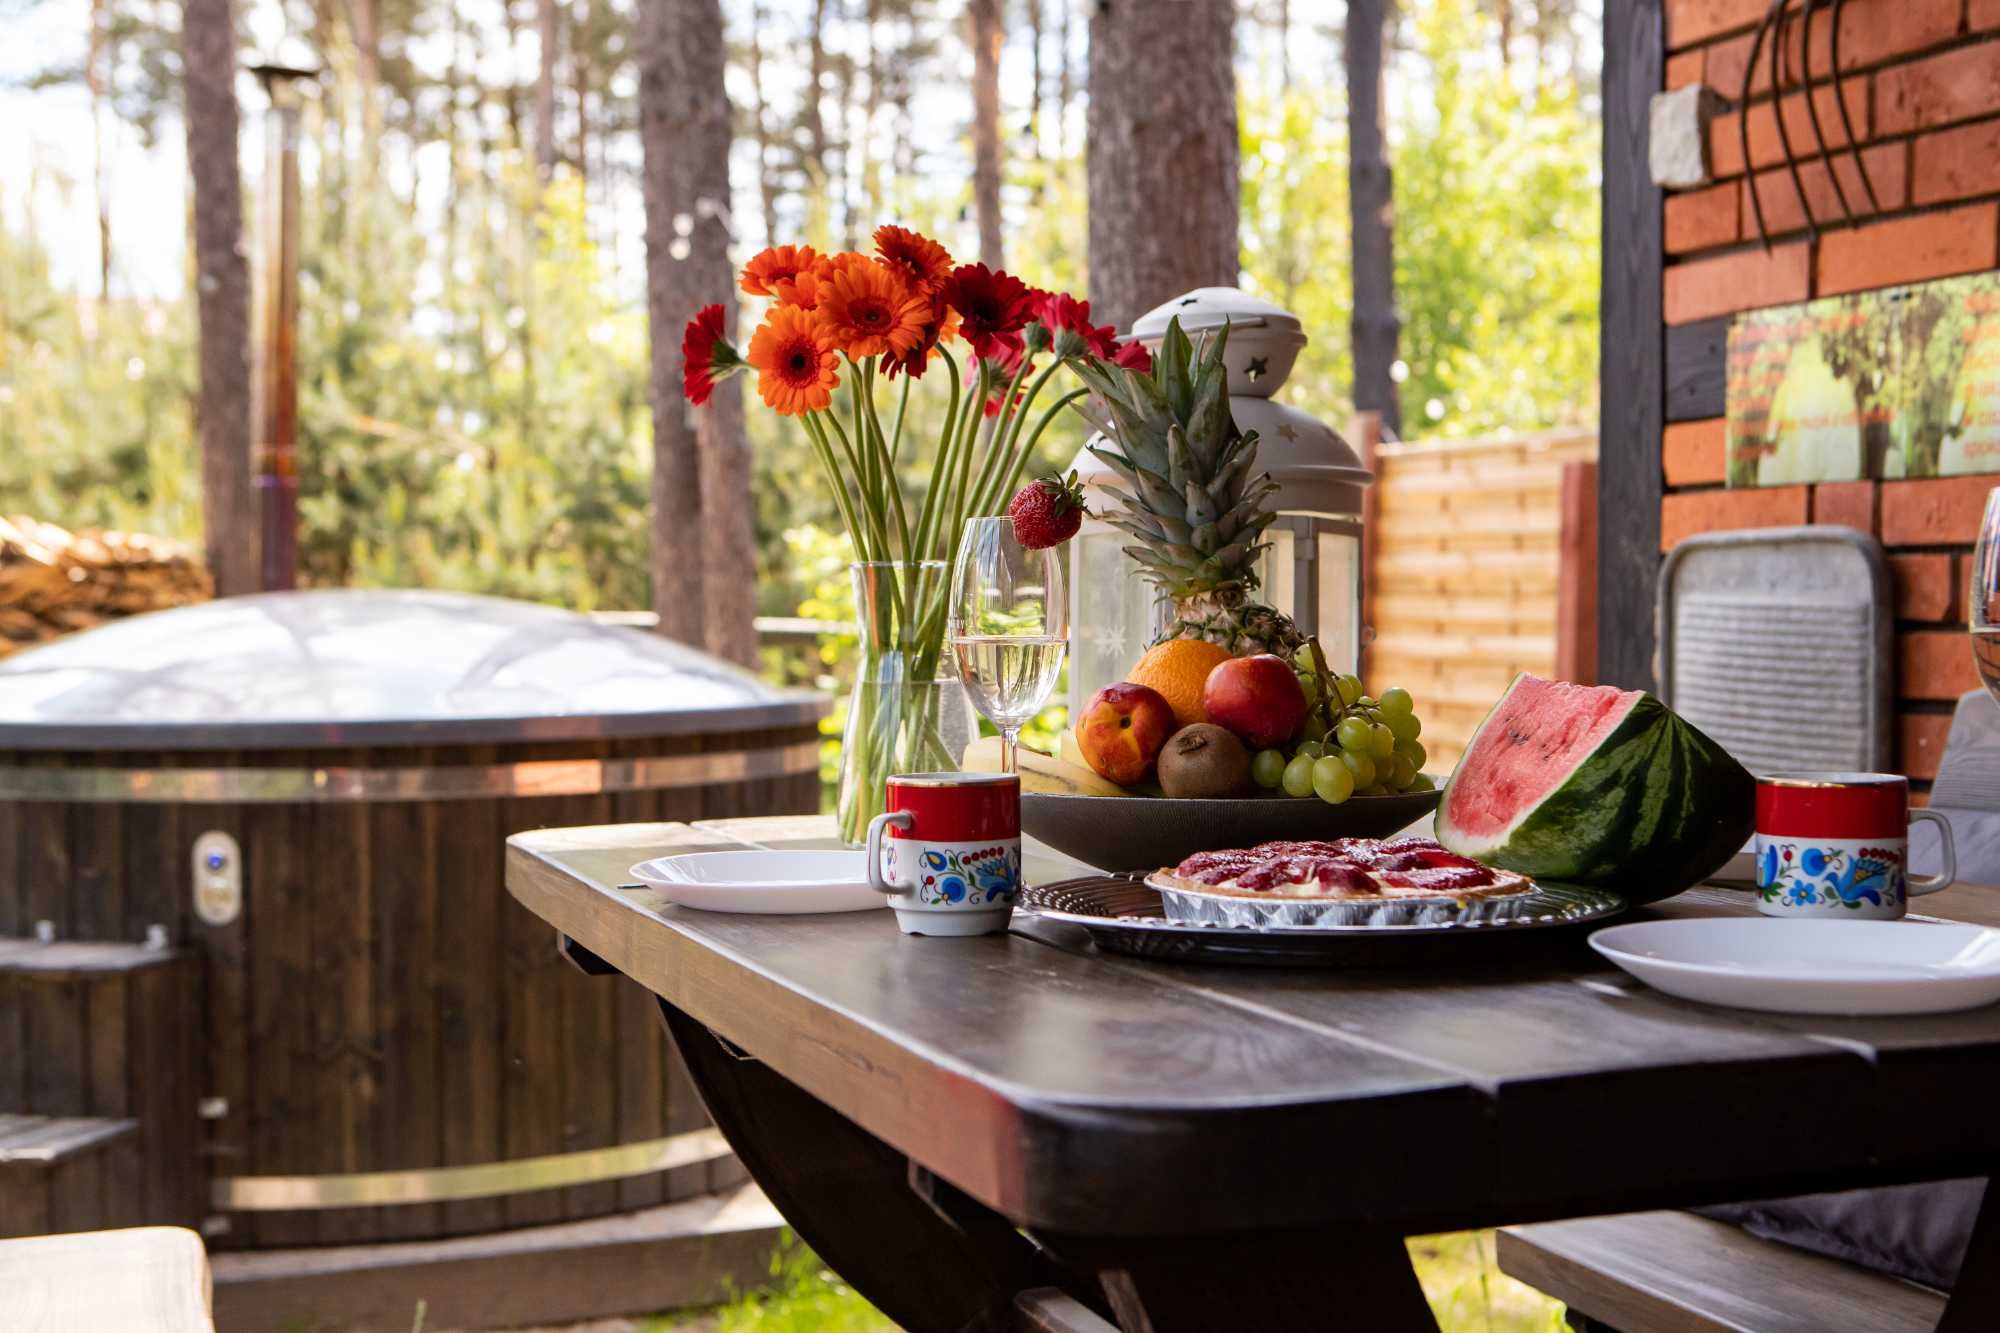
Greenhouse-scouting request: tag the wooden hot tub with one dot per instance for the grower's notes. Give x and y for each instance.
(307, 793)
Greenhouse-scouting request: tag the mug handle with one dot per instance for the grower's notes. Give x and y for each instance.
(904, 820)
(1932, 883)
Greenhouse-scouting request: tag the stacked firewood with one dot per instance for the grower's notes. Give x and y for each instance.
(55, 582)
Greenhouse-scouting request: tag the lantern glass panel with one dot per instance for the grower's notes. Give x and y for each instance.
(1339, 567)
(1112, 616)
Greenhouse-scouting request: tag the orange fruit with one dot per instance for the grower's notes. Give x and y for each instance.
(1178, 669)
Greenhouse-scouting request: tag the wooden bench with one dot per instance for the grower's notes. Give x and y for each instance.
(151, 1278)
(1675, 1272)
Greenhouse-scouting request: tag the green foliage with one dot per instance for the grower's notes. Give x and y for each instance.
(1496, 236)
(487, 433)
(96, 398)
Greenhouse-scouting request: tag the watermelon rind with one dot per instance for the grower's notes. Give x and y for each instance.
(1655, 808)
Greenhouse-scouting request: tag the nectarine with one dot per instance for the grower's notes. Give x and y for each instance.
(1122, 730)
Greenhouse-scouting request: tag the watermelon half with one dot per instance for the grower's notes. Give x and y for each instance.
(1596, 785)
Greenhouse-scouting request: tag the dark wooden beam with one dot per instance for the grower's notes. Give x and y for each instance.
(1697, 368)
(1632, 363)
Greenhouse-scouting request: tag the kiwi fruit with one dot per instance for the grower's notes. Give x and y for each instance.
(1204, 760)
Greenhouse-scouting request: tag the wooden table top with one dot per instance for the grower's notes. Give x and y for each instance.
(1091, 1094)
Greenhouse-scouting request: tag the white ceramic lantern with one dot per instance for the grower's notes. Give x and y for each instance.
(1312, 571)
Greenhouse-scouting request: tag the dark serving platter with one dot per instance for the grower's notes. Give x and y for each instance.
(1146, 832)
(1123, 915)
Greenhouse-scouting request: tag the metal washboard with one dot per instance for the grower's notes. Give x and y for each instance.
(1779, 643)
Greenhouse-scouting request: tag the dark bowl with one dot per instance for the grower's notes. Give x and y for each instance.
(1147, 832)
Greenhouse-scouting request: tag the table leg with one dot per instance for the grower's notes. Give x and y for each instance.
(1975, 1299)
(848, 1195)
(1273, 1282)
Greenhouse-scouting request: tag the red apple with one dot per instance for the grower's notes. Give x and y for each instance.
(1258, 698)
(1122, 730)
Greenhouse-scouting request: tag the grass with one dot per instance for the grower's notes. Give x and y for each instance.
(1468, 1294)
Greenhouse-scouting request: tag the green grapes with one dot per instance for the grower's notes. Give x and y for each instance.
(1298, 778)
(1349, 689)
(1268, 768)
(1405, 725)
(1381, 741)
(1360, 765)
(1353, 734)
(1331, 781)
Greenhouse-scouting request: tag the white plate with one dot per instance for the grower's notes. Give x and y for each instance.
(1812, 967)
(761, 881)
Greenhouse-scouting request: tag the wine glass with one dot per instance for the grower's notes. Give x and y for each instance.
(1983, 597)
(1009, 625)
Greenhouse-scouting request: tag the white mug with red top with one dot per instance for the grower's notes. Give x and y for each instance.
(1837, 845)
(947, 851)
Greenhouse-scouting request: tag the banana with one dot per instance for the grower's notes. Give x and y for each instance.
(1039, 772)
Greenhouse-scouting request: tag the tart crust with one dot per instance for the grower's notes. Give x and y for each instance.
(1305, 870)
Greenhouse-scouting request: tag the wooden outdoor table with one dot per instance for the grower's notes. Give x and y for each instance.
(1192, 1147)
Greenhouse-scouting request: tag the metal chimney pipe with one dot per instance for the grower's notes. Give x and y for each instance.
(275, 397)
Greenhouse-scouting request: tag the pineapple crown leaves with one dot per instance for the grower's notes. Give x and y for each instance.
(1190, 494)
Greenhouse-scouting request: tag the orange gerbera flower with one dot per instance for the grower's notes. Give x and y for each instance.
(796, 361)
(771, 271)
(922, 261)
(868, 310)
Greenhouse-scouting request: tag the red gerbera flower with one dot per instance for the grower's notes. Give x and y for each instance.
(990, 306)
(1132, 355)
(1064, 314)
(922, 261)
(942, 324)
(707, 358)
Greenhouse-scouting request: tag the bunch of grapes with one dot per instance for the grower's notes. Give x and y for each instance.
(1351, 743)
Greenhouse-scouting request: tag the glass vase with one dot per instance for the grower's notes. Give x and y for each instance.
(908, 713)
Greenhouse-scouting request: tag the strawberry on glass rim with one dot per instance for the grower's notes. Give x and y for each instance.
(1047, 512)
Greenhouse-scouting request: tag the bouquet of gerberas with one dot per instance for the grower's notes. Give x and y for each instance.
(840, 346)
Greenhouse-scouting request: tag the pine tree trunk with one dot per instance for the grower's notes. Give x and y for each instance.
(760, 123)
(809, 109)
(987, 34)
(701, 474)
(97, 61)
(545, 89)
(222, 295)
(1162, 154)
(1371, 199)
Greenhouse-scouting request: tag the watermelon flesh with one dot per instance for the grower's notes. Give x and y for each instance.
(1591, 784)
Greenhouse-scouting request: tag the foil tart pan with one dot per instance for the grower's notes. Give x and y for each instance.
(1208, 909)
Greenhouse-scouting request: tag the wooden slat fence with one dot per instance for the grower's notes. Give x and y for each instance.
(1481, 551)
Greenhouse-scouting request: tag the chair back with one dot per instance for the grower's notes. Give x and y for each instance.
(1779, 643)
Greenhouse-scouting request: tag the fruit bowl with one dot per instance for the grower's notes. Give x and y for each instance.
(1146, 832)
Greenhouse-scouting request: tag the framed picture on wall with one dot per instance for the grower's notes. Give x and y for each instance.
(1899, 382)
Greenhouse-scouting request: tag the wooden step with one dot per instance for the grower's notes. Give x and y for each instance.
(112, 1029)
(66, 1173)
(696, 1252)
(152, 1278)
(1672, 1272)
(68, 960)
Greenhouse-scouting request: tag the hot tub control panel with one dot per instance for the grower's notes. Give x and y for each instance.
(218, 878)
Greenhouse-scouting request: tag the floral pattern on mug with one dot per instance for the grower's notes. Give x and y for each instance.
(1807, 875)
(982, 877)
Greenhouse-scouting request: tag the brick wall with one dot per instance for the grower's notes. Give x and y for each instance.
(1921, 89)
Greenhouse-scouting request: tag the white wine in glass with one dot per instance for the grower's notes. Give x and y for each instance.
(1983, 597)
(1009, 626)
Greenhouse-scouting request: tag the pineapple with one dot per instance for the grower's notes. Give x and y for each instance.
(1193, 500)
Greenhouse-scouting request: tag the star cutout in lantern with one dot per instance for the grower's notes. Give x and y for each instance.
(1259, 367)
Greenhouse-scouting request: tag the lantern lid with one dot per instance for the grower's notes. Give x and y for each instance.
(364, 666)
(1264, 339)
